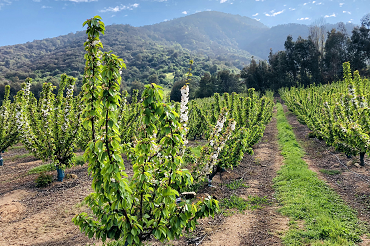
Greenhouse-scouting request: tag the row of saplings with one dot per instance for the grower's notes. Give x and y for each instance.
(127, 209)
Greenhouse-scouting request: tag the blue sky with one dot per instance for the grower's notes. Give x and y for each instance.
(27, 20)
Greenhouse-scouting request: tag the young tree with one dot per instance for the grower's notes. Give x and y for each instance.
(50, 125)
(9, 117)
(132, 209)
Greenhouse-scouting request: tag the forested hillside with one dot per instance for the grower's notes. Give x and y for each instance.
(157, 53)
(163, 49)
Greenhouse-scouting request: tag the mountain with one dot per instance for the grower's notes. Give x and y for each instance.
(214, 40)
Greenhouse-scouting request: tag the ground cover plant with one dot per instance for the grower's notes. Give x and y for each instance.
(327, 219)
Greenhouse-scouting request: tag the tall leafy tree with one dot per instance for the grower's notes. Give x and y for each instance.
(336, 53)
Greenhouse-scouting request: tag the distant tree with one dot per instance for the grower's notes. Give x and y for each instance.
(227, 82)
(153, 79)
(280, 73)
(137, 85)
(359, 48)
(248, 73)
(317, 33)
(175, 94)
(365, 21)
(290, 59)
(307, 58)
(206, 86)
(213, 69)
(336, 53)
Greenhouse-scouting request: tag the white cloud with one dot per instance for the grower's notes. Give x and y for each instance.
(255, 14)
(257, 19)
(82, 1)
(273, 13)
(223, 1)
(304, 4)
(184, 12)
(346, 12)
(314, 2)
(319, 3)
(5, 2)
(46, 7)
(303, 18)
(291, 9)
(260, 0)
(327, 16)
(341, 4)
(120, 8)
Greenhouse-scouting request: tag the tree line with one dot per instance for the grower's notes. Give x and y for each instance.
(315, 60)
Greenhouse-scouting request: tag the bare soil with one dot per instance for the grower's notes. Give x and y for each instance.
(43, 216)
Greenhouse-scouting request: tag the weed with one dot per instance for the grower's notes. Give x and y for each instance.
(16, 157)
(42, 168)
(196, 150)
(44, 180)
(330, 172)
(257, 161)
(16, 147)
(236, 202)
(236, 184)
(79, 160)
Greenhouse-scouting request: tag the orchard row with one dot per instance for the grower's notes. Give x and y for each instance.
(152, 133)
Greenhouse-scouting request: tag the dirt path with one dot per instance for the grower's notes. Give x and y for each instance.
(352, 183)
(260, 226)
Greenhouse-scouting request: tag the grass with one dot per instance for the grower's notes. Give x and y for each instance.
(196, 150)
(50, 167)
(330, 172)
(236, 202)
(327, 219)
(15, 157)
(16, 147)
(236, 184)
(42, 168)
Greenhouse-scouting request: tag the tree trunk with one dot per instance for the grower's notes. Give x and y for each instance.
(362, 157)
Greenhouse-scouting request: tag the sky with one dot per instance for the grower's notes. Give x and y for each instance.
(27, 20)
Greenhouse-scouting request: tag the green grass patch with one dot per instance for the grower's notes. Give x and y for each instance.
(16, 157)
(330, 172)
(196, 150)
(42, 168)
(16, 147)
(327, 219)
(236, 202)
(79, 160)
(236, 184)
